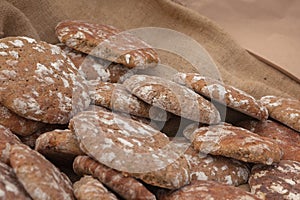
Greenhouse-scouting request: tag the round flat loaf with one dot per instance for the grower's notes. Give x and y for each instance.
(278, 181)
(216, 168)
(7, 138)
(10, 187)
(40, 178)
(125, 186)
(39, 82)
(237, 143)
(224, 94)
(115, 97)
(209, 190)
(17, 124)
(287, 139)
(173, 176)
(89, 188)
(284, 110)
(59, 145)
(30, 140)
(173, 98)
(130, 146)
(94, 68)
(107, 42)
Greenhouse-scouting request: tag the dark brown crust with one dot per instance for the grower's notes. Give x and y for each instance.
(7, 138)
(173, 98)
(115, 97)
(125, 186)
(40, 178)
(24, 79)
(31, 139)
(10, 187)
(216, 168)
(107, 42)
(287, 139)
(172, 176)
(278, 181)
(122, 143)
(89, 188)
(94, 68)
(236, 142)
(225, 94)
(58, 144)
(209, 190)
(284, 110)
(17, 124)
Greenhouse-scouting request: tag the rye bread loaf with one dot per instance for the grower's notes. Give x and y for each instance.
(107, 42)
(278, 181)
(173, 98)
(24, 79)
(287, 138)
(224, 94)
(125, 186)
(284, 110)
(237, 143)
(89, 188)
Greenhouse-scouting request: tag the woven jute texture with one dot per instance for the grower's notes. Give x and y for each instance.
(38, 18)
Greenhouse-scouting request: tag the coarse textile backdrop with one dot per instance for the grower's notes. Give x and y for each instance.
(38, 18)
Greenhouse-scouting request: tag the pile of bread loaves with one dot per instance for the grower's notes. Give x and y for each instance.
(80, 121)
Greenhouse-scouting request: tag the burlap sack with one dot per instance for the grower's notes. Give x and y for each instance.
(237, 67)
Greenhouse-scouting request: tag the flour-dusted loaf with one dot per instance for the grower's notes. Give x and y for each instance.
(89, 188)
(224, 94)
(115, 97)
(39, 82)
(173, 98)
(107, 42)
(278, 181)
(94, 68)
(284, 110)
(216, 168)
(10, 187)
(173, 176)
(58, 145)
(17, 124)
(209, 190)
(40, 178)
(236, 142)
(30, 140)
(125, 186)
(7, 138)
(287, 138)
(131, 147)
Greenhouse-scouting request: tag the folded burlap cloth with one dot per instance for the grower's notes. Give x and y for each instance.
(37, 19)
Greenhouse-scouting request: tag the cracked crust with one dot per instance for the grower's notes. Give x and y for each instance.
(125, 186)
(236, 142)
(224, 94)
(284, 110)
(107, 42)
(40, 178)
(115, 97)
(278, 181)
(45, 86)
(216, 168)
(173, 98)
(90, 188)
(94, 68)
(287, 139)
